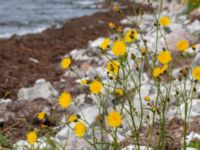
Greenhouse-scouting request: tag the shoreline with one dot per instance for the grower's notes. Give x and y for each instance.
(47, 48)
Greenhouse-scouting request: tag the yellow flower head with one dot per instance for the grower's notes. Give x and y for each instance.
(31, 137)
(72, 118)
(113, 67)
(119, 92)
(111, 25)
(80, 129)
(116, 8)
(196, 73)
(119, 48)
(65, 63)
(130, 36)
(163, 69)
(105, 43)
(65, 99)
(84, 81)
(156, 72)
(143, 50)
(147, 98)
(41, 115)
(154, 108)
(164, 57)
(182, 45)
(114, 119)
(96, 87)
(164, 21)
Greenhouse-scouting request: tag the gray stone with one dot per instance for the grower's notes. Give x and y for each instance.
(41, 89)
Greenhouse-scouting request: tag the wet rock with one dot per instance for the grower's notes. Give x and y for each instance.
(195, 14)
(41, 89)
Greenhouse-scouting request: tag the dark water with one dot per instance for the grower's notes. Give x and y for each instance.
(30, 16)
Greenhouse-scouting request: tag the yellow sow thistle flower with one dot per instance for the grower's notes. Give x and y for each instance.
(41, 115)
(143, 50)
(119, 48)
(164, 57)
(96, 87)
(65, 99)
(112, 67)
(84, 81)
(119, 92)
(31, 137)
(80, 129)
(196, 73)
(163, 69)
(72, 118)
(147, 98)
(164, 21)
(105, 43)
(130, 36)
(182, 45)
(65, 63)
(111, 25)
(156, 72)
(114, 119)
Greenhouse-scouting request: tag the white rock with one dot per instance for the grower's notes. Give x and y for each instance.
(89, 114)
(179, 34)
(135, 147)
(5, 101)
(40, 144)
(192, 136)
(41, 89)
(196, 61)
(195, 108)
(96, 43)
(67, 138)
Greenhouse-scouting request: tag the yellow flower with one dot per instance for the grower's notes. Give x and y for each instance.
(105, 43)
(111, 25)
(84, 81)
(80, 129)
(143, 50)
(119, 92)
(147, 98)
(96, 87)
(114, 119)
(194, 47)
(116, 8)
(182, 45)
(113, 67)
(31, 137)
(163, 69)
(156, 72)
(72, 118)
(65, 99)
(119, 48)
(164, 57)
(65, 63)
(164, 21)
(154, 108)
(43, 126)
(196, 73)
(41, 115)
(130, 35)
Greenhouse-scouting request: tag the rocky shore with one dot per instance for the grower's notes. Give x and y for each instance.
(31, 78)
